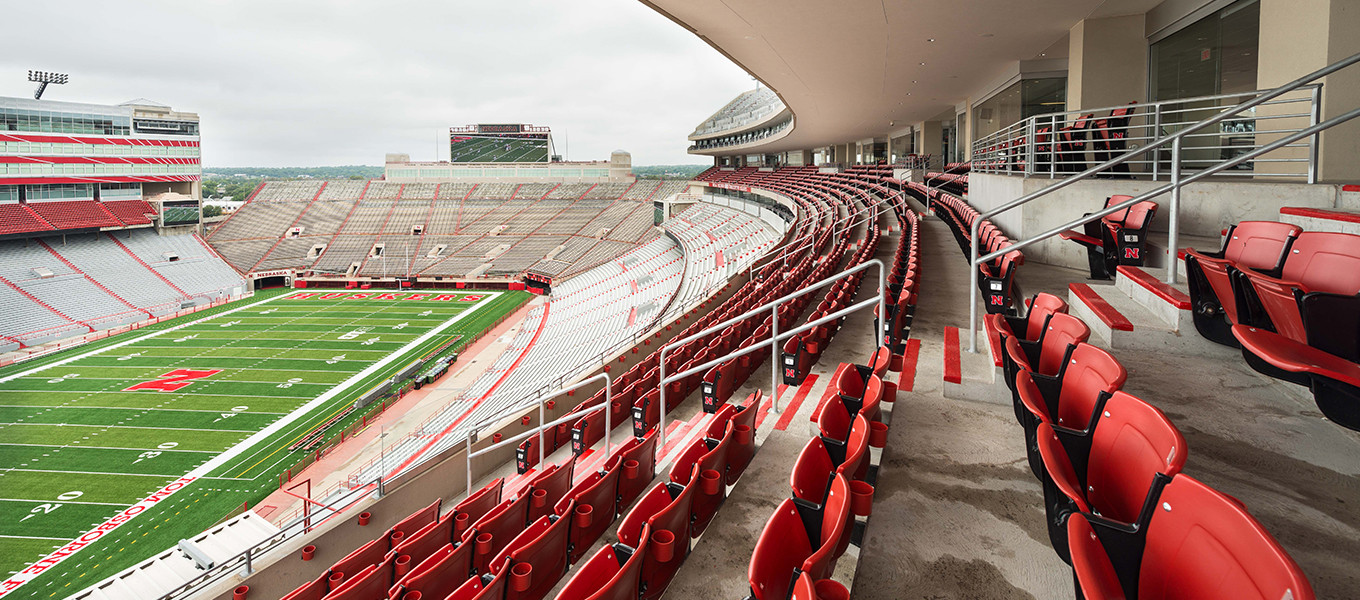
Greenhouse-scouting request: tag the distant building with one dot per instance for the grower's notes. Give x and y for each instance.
(53, 150)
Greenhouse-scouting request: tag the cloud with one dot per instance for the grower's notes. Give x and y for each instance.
(285, 83)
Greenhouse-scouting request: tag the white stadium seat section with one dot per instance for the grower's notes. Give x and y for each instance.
(29, 322)
(593, 310)
(21, 257)
(79, 298)
(198, 271)
(118, 271)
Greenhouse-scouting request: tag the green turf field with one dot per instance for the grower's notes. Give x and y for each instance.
(86, 433)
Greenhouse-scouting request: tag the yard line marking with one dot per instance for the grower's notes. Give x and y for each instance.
(33, 537)
(333, 392)
(109, 447)
(247, 412)
(63, 502)
(148, 336)
(99, 473)
(124, 427)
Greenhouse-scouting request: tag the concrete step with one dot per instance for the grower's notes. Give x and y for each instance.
(1317, 219)
(1147, 287)
(1118, 321)
(973, 376)
(1157, 242)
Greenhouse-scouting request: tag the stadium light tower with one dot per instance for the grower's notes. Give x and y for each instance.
(42, 78)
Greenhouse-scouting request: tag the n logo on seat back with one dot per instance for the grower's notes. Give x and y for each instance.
(1131, 253)
(998, 300)
(173, 380)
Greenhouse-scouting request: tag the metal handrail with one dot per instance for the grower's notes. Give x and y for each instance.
(1174, 187)
(773, 341)
(570, 417)
(1153, 110)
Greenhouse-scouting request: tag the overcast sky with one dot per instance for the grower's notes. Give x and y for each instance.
(310, 83)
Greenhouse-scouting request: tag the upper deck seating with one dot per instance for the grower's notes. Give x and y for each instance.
(1109, 469)
(1260, 246)
(1108, 135)
(74, 214)
(1119, 238)
(1072, 145)
(1194, 543)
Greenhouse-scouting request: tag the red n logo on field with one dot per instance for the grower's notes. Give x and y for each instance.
(173, 380)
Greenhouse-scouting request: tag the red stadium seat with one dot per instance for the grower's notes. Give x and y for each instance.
(538, 557)
(414, 523)
(818, 462)
(1029, 328)
(1069, 399)
(439, 574)
(355, 562)
(799, 538)
(1110, 470)
(475, 506)
(666, 509)
(1197, 543)
(421, 544)
(612, 574)
(1119, 238)
(597, 497)
(1257, 245)
(494, 531)
(1045, 355)
(633, 479)
(1317, 263)
(371, 583)
(704, 463)
(547, 488)
(1335, 381)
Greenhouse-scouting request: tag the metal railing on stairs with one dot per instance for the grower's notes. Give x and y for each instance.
(1174, 187)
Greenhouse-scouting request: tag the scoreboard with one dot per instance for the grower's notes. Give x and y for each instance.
(503, 128)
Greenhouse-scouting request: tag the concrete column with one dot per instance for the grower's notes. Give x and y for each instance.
(930, 138)
(1301, 36)
(1107, 62)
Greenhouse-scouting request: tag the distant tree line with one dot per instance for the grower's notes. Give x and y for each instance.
(685, 172)
(345, 172)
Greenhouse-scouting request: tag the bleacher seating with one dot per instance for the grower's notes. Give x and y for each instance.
(1256, 245)
(19, 218)
(1110, 465)
(74, 214)
(55, 288)
(130, 212)
(996, 280)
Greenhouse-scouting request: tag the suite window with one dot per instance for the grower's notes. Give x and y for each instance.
(1214, 55)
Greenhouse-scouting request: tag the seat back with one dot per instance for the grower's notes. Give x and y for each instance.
(1117, 216)
(856, 463)
(1043, 305)
(1202, 544)
(644, 452)
(1325, 262)
(836, 525)
(812, 472)
(547, 488)
(1063, 330)
(612, 574)
(421, 544)
(834, 420)
(440, 574)
(782, 548)
(1132, 442)
(476, 505)
(502, 524)
(1259, 245)
(545, 553)
(1089, 371)
(599, 491)
(1139, 215)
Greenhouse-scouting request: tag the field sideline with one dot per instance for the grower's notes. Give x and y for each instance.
(87, 432)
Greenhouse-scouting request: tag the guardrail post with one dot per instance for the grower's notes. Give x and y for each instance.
(1173, 228)
(1156, 135)
(1314, 116)
(972, 290)
(469, 465)
(774, 355)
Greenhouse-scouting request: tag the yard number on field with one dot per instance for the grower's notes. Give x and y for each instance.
(48, 507)
(64, 378)
(289, 383)
(235, 410)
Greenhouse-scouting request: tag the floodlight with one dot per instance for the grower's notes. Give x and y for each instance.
(42, 78)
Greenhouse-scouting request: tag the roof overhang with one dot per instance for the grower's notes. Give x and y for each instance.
(853, 70)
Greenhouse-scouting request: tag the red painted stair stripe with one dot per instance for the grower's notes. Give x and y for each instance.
(1102, 309)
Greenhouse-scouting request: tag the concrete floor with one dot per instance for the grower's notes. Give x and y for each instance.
(964, 514)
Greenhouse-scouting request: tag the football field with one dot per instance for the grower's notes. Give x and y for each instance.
(478, 149)
(219, 399)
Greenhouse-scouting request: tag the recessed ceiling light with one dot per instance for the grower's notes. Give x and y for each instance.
(913, 81)
(930, 40)
(1040, 54)
(986, 35)
(923, 64)
(908, 93)
(750, 37)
